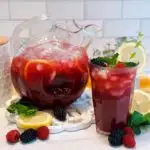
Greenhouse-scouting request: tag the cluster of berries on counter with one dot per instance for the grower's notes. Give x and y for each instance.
(124, 137)
(28, 135)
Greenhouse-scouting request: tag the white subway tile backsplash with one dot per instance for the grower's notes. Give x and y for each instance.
(4, 12)
(102, 9)
(145, 27)
(65, 9)
(7, 27)
(117, 28)
(26, 9)
(136, 9)
(146, 44)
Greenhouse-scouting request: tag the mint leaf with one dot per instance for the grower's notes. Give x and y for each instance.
(137, 130)
(131, 64)
(29, 113)
(137, 119)
(138, 44)
(147, 118)
(139, 40)
(114, 59)
(132, 55)
(21, 109)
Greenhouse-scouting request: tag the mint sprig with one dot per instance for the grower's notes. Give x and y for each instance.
(139, 40)
(22, 109)
(136, 120)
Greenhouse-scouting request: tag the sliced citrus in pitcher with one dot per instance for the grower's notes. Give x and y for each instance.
(38, 71)
(34, 122)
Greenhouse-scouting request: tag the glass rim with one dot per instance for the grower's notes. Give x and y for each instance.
(112, 68)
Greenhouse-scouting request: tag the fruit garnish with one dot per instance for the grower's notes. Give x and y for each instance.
(129, 130)
(13, 136)
(140, 102)
(129, 141)
(38, 70)
(22, 109)
(133, 51)
(43, 133)
(116, 137)
(28, 136)
(105, 61)
(112, 62)
(60, 113)
(120, 65)
(34, 122)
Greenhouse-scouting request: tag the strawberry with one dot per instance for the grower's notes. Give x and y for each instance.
(129, 130)
(129, 141)
(43, 133)
(13, 136)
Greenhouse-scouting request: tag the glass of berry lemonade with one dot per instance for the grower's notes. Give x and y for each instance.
(112, 90)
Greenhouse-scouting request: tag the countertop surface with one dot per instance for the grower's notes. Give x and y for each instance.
(86, 139)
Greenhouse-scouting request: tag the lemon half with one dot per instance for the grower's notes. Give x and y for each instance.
(125, 51)
(34, 122)
(141, 102)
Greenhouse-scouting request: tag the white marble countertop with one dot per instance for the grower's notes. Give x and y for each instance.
(82, 140)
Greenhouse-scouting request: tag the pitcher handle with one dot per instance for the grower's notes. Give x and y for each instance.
(16, 41)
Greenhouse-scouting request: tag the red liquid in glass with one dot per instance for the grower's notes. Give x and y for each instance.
(49, 77)
(112, 91)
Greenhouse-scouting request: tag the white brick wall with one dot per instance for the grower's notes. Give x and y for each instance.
(116, 17)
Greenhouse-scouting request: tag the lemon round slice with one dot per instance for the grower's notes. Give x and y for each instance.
(125, 51)
(34, 122)
(140, 102)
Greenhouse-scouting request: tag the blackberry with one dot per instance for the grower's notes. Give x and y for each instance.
(98, 61)
(28, 136)
(117, 133)
(115, 141)
(60, 113)
(116, 137)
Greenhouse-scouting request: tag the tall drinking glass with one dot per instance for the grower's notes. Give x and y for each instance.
(112, 90)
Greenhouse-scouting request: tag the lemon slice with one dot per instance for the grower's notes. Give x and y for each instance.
(140, 102)
(34, 122)
(125, 51)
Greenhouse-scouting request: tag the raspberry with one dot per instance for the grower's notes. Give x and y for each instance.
(43, 133)
(120, 65)
(129, 141)
(13, 136)
(28, 136)
(129, 130)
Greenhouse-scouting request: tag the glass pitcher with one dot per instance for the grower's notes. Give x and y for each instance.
(50, 64)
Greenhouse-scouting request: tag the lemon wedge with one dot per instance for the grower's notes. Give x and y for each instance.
(34, 122)
(141, 102)
(125, 51)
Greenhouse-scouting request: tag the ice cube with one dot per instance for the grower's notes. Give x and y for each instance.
(103, 74)
(114, 78)
(126, 82)
(108, 85)
(117, 92)
(131, 76)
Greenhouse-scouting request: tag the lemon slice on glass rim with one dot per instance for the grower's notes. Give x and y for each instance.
(127, 49)
(40, 119)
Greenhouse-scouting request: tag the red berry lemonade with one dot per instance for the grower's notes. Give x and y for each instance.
(51, 73)
(112, 90)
